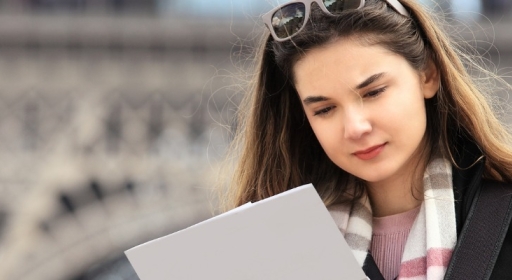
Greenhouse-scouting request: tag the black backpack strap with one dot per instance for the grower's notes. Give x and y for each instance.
(483, 233)
(371, 269)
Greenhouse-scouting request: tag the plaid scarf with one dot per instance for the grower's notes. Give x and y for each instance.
(432, 237)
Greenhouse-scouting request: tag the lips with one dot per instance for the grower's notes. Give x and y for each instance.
(370, 153)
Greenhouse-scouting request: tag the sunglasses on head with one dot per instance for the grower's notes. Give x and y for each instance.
(288, 19)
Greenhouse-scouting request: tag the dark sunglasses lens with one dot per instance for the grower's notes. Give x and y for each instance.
(288, 20)
(338, 6)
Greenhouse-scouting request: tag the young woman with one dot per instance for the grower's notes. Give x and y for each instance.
(371, 102)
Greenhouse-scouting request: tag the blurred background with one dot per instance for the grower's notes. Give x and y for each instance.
(115, 115)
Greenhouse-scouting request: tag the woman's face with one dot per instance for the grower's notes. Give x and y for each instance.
(366, 106)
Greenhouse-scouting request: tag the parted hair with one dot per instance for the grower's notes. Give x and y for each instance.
(275, 148)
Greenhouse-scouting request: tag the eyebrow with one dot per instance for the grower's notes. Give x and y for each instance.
(313, 99)
(370, 80)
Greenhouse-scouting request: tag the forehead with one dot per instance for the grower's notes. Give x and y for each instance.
(345, 60)
(344, 52)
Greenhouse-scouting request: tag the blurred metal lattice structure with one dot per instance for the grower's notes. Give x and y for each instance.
(110, 137)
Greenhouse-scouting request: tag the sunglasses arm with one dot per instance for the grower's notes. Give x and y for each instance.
(398, 7)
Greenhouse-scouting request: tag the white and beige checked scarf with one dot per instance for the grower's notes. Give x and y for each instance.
(432, 237)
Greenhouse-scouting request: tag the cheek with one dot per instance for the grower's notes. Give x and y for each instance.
(325, 134)
(408, 106)
(407, 122)
(320, 129)
(330, 137)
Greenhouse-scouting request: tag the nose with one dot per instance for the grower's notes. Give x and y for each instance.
(356, 123)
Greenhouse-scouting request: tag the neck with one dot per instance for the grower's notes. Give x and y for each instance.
(396, 195)
(395, 199)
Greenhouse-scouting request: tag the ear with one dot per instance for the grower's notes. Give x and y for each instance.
(430, 80)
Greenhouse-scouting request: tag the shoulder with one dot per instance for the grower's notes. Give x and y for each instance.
(496, 204)
(502, 268)
(484, 229)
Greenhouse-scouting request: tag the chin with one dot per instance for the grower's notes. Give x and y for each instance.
(374, 177)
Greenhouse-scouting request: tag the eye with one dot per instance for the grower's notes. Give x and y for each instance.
(323, 111)
(375, 93)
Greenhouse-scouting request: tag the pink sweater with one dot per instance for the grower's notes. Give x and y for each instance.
(388, 241)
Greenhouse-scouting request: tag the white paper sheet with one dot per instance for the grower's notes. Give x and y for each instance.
(288, 236)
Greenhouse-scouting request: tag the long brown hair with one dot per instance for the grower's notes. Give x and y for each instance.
(275, 147)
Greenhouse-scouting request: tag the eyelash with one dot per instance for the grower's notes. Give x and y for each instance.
(323, 111)
(371, 94)
(375, 93)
